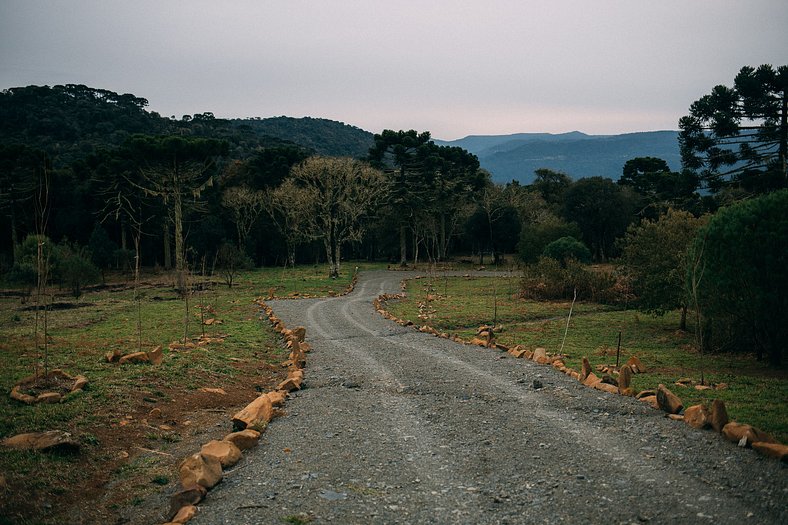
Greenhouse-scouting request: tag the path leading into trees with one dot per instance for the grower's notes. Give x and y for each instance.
(395, 426)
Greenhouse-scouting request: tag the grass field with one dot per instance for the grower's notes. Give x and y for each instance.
(755, 394)
(111, 418)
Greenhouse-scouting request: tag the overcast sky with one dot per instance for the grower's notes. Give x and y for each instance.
(454, 68)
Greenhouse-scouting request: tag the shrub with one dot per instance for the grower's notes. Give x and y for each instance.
(75, 269)
(534, 237)
(567, 248)
(549, 280)
(743, 276)
(229, 261)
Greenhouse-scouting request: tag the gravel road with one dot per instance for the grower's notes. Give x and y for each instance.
(395, 426)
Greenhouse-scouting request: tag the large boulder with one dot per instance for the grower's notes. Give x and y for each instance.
(668, 401)
(198, 469)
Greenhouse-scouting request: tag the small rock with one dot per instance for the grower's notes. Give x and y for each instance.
(696, 416)
(136, 357)
(624, 378)
(197, 469)
(744, 434)
(224, 451)
(218, 391)
(668, 401)
(185, 513)
(651, 400)
(244, 439)
(537, 384)
(188, 495)
(49, 397)
(113, 356)
(156, 355)
(256, 414)
(540, 356)
(330, 495)
(49, 441)
(154, 413)
(772, 450)
(718, 416)
(591, 379)
(636, 366)
(586, 370)
(80, 382)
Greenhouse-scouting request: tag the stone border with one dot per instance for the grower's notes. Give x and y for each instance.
(201, 471)
(714, 417)
(80, 382)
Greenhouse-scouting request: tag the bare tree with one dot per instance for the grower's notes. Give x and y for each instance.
(245, 205)
(335, 196)
(282, 205)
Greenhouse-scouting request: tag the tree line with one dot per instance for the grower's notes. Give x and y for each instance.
(99, 180)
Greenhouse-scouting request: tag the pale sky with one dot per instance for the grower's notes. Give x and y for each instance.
(454, 68)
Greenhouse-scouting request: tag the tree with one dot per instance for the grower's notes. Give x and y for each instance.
(178, 171)
(537, 234)
(551, 185)
(655, 258)
(739, 136)
(245, 205)
(602, 210)
(102, 249)
(335, 197)
(230, 261)
(658, 187)
(743, 294)
(567, 248)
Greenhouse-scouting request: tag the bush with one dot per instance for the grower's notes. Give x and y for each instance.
(230, 261)
(743, 276)
(549, 280)
(75, 269)
(535, 237)
(567, 248)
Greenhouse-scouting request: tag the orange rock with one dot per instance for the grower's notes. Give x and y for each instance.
(55, 440)
(557, 363)
(624, 378)
(17, 394)
(80, 382)
(574, 374)
(718, 415)
(539, 355)
(599, 385)
(651, 400)
(528, 354)
(703, 387)
(189, 495)
(696, 416)
(113, 356)
(156, 355)
(277, 397)
(224, 451)
(255, 415)
(49, 397)
(745, 435)
(668, 401)
(243, 439)
(185, 513)
(591, 379)
(136, 357)
(675, 417)
(219, 391)
(585, 370)
(155, 413)
(636, 366)
(772, 450)
(629, 392)
(478, 342)
(644, 393)
(197, 469)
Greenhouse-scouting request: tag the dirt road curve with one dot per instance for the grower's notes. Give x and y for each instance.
(401, 427)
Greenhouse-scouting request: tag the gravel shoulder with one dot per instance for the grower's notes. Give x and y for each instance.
(395, 426)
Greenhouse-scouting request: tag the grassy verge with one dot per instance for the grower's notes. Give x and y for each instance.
(122, 444)
(755, 393)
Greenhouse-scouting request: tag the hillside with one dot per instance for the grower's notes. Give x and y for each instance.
(516, 157)
(326, 137)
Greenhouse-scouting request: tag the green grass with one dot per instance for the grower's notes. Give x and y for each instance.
(756, 394)
(103, 320)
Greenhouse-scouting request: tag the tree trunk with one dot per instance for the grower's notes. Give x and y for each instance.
(443, 240)
(167, 247)
(683, 322)
(403, 246)
(180, 255)
(784, 138)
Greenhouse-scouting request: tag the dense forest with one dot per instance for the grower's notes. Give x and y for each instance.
(95, 182)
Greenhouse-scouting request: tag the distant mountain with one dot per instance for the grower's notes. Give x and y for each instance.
(516, 157)
(325, 137)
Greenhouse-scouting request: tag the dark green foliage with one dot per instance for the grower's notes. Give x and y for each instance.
(534, 237)
(654, 257)
(602, 210)
(743, 273)
(548, 279)
(567, 248)
(739, 136)
(75, 269)
(102, 249)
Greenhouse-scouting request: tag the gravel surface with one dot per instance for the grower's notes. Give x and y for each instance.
(395, 426)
